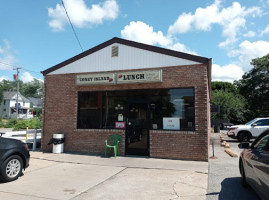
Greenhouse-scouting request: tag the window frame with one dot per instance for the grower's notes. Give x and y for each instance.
(149, 90)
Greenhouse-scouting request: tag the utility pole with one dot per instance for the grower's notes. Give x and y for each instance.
(18, 86)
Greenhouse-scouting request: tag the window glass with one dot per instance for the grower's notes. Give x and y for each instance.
(114, 108)
(89, 110)
(262, 143)
(103, 109)
(262, 122)
(251, 122)
(176, 104)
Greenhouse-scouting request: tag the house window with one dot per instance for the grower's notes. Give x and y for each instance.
(4, 102)
(89, 110)
(4, 109)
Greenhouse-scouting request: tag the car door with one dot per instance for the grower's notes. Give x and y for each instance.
(259, 126)
(260, 165)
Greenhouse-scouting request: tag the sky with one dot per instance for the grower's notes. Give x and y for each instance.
(36, 34)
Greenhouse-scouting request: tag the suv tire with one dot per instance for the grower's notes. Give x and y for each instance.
(244, 137)
(11, 168)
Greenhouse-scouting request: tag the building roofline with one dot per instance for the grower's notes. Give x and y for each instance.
(131, 44)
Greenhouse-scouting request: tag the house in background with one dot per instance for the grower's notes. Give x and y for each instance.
(35, 102)
(8, 108)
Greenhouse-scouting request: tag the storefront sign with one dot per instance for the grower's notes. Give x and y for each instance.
(120, 117)
(95, 79)
(120, 78)
(139, 76)
(120, 124)
(171, 123)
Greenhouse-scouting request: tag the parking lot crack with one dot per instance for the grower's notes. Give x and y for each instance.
(109, 178)
(175, 192)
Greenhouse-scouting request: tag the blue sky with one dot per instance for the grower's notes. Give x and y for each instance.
(36, 35)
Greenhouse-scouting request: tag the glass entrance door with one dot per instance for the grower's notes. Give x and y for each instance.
(137, 129)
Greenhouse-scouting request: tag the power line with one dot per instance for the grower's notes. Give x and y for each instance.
(24, 69)
(15, 67)
(8, 64)
(72, 26)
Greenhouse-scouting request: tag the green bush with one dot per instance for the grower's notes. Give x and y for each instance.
(35, 123)
(18, 124)
(11, 123)
(21, 124)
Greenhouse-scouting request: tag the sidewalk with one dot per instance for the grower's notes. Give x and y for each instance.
(72, 176)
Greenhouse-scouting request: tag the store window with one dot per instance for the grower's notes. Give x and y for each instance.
(89, 110)
(114, 109)
(168, 109)
(172, 109)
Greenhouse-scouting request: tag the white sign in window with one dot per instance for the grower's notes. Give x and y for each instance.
(171, 123)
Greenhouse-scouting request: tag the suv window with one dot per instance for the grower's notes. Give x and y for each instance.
(262, 122)
(262, 144)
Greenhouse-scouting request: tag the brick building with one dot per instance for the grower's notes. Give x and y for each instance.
(157, 99)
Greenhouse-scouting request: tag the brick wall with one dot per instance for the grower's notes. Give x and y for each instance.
(60, 114)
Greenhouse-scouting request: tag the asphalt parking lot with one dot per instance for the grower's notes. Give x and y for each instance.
(76, 177)
(224, 180)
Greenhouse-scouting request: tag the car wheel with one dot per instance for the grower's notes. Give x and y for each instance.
(11, 168)
(244, 137)
(242, 172)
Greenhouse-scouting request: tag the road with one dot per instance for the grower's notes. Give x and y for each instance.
(224, 180)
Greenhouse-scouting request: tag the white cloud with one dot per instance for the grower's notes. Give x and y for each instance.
(26, 77)
(3, 78)
(142, 32)
(265, 31)
(248, 51)
(227, 73)
(81, 16)
(139, 31)
(6, 56)
(232, 19)
(250, 34)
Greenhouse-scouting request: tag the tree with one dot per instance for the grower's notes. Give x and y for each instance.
(31, 89)
(219, 85)
(10, 85)
(232, 106)
(254, 86)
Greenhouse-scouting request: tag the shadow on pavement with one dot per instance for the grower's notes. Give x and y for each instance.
(232, 189)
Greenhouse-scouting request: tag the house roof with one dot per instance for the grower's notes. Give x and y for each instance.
(155, 49)
(35, 101)
(10, 94)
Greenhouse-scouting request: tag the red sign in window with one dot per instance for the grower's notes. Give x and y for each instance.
(120, 124)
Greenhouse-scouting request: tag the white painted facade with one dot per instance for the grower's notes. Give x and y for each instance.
(7, 105)
(128, 58)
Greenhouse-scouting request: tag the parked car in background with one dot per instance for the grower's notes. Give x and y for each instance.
(225, 126)
(254, 164)
(14, 156)
(251, 129)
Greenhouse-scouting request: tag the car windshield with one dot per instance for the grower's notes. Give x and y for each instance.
(251, 121)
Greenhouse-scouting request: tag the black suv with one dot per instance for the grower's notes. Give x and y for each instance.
(14, 156)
